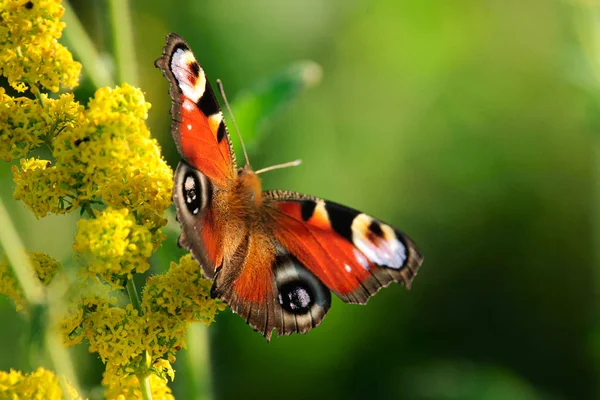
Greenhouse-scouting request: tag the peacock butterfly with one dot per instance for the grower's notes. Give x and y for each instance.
(274, 256)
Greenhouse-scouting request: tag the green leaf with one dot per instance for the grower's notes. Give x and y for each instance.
(255, 106)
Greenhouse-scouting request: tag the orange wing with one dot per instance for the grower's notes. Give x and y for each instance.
(198, 126)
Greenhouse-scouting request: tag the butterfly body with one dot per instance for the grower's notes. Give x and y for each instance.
(274, 256)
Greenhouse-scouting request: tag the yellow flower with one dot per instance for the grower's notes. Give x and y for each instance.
(182, 293)
(84, 298)
(44, 188)
(9, 285)
(113, 245)
(25, 123)
(112, 157)
(104, 152)
(123, 337)
(29, 48)
(125, 386)
(21, 126)
(38, 385)
(171, 302)
(44, 266)
(116, 334)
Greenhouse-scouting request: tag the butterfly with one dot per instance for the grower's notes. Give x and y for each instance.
(274, 256)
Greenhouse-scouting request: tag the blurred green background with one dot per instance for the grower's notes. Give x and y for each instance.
(471, 125)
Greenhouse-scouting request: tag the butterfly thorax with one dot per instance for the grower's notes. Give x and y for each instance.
(249, 187)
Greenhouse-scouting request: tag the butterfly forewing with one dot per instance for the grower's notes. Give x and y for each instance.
(198, 126)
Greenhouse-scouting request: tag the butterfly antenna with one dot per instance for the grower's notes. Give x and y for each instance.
(294, 163)
(222, 90)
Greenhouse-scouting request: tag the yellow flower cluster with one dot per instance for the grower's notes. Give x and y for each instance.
(44, 266)
(44, 187)
(105, 163)
(103, 152)
(38, 385)
(26, 123)
(9, 285)
(123, 336)
(114, 245)
(112, 156)
(128, 387)
(181, 293)
(29, 50)
(171, 302)
(85, 298)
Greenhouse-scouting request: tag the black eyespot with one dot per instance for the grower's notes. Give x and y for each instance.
(192, 193)
(296, 297)
(29, 5)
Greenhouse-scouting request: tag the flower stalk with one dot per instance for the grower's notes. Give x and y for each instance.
(82, 46)
(123, 42)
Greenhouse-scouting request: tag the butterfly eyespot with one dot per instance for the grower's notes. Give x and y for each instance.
(296, 298)
(299, 292)
(191, 195)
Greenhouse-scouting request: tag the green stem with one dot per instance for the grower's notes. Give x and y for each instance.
(145, 387)
(195, 368)
(123, 43)
(82, 46)
(61, 360)
(133, 296)
(144, 376)
(33, 293)
(17, 258)
(37, 93)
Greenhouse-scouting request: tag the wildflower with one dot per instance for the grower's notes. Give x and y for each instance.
(171, 302)
(114, 245)
(124, 386)
(116, 334)
(9, 285)
(29, 50)
(111, 156)
(44, 266)
(25, 123)
(85, 297)
(44, 188)
(182, 293)
(40, 384)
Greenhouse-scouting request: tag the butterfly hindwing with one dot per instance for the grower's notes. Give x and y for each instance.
(352, 253)
(270, 289)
